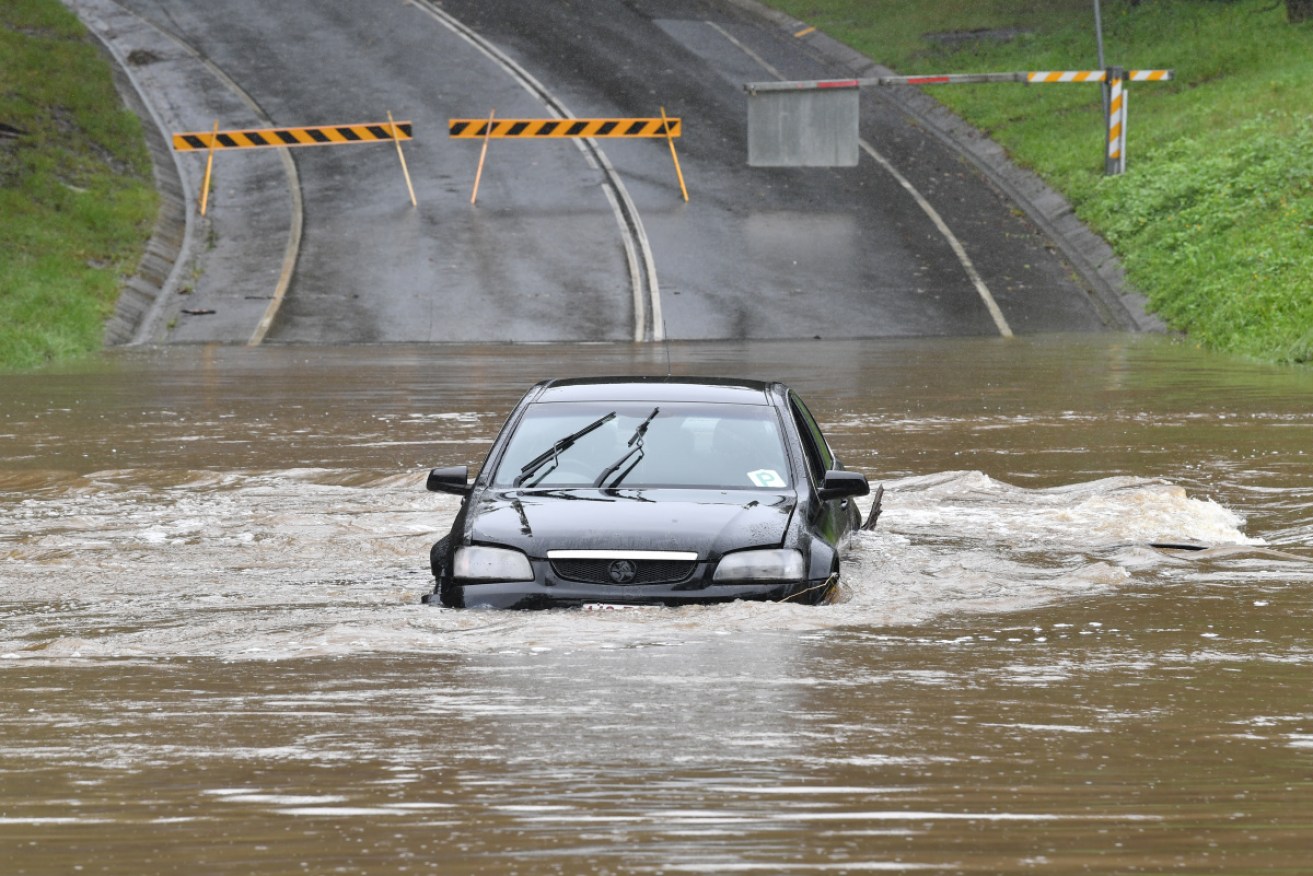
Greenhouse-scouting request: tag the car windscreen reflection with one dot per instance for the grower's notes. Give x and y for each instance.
(609, 445)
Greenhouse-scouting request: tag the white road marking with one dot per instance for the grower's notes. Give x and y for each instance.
(956, 245)
(649, 323)
(953, 242)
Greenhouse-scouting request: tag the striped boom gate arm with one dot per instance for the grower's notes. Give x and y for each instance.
(1115, 78)
(1028, 77)
(1047, 76)
(662, 127)
(1098, 76)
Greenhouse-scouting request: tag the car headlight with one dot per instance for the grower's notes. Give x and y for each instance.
(478, 563)
(761, 565)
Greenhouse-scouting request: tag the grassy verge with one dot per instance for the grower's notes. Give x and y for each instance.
(76, 199)
(1214, 216)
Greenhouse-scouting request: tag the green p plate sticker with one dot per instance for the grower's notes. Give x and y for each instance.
(766, 477)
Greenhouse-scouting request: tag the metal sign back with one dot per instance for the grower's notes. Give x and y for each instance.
(814, 128)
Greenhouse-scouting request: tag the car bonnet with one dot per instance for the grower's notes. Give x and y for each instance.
(709, 522)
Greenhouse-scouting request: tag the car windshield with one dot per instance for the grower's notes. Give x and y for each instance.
(645, 445)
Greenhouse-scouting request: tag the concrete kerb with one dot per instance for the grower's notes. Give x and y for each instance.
(228, 260)
(159, 271)
(1089, 255)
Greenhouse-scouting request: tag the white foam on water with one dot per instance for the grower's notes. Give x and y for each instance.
(314, 562)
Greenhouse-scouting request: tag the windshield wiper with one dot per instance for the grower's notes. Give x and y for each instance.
(555, 450)
(635, 445)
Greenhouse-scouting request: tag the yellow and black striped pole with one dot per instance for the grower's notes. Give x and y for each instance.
(1115, 162)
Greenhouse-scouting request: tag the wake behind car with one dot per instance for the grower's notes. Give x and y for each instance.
(648, 491)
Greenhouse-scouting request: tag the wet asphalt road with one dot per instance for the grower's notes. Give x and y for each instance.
(545, 254)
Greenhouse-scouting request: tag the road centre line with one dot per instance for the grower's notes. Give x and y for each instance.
(761, 62)
(649, 322)
(995, 312)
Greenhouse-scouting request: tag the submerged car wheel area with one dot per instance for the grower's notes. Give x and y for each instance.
(648, 491)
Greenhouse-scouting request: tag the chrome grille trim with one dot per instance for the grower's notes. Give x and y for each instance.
(678, 556)
(602, 571)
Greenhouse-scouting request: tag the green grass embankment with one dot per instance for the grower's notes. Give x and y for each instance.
(76, 199)
(1214, 218)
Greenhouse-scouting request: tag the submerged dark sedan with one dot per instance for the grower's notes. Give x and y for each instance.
(648, 491)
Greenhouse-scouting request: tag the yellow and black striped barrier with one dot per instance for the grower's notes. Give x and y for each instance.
(493, 128)
(472, 129)
(321, 135)
(277, 138)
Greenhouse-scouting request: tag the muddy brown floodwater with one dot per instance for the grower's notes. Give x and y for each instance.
(214, 659)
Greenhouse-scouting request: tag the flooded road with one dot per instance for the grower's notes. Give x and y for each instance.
(215, 661)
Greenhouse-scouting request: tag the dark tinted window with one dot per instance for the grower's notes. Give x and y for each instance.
(819, 458)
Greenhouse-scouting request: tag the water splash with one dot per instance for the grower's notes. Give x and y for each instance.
(312, 562)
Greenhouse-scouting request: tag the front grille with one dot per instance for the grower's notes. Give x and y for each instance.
(608, 571)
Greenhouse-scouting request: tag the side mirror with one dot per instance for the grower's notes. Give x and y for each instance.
(455, 479)
(843, 484)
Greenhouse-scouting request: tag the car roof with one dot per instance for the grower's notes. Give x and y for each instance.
(657, 389)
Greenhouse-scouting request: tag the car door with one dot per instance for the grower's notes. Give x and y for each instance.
(836, 517)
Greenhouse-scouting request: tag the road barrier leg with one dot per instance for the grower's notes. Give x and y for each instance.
(665, 125)
(209, 169)
(392, 129)
(483, 154)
